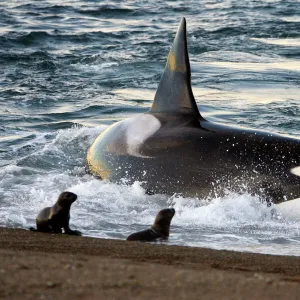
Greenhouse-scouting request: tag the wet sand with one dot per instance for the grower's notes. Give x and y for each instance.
(45, 266)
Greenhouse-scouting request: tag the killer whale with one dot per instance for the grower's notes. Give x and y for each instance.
(173, 149)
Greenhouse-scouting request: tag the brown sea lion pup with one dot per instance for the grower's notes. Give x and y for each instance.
(159, 230)
(53, 219)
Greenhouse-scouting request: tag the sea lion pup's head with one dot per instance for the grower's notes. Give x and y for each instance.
(65, 199)
(163, 220)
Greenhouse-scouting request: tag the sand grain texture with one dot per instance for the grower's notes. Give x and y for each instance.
(45, 266)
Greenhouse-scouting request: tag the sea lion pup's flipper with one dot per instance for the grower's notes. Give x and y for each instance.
(72, 232)
(159, 230)
(148, 235)
(47, 229)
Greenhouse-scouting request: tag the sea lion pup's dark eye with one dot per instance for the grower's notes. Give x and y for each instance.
(53, 219)
(159, 230)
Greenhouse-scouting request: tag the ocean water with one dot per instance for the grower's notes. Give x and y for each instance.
(71, 68)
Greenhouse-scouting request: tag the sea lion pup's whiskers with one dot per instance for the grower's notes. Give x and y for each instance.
(53, 219)
(159, 230)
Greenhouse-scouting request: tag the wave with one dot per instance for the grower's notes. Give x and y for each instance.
(16, 56)
(35, 38)
(44, 8)
(108, 210)
(109, 11)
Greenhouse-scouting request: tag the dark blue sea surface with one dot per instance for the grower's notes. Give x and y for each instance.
(71, 68)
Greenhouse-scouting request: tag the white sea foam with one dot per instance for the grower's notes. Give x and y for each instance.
(232, 210)
(108, 210)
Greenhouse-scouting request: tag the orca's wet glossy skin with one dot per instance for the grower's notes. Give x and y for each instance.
(173, 149)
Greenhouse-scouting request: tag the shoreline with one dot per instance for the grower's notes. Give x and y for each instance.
(38, 265)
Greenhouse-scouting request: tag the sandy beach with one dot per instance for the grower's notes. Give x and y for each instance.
(46, 266)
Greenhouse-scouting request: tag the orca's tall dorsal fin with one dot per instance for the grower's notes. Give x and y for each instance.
(174, 94)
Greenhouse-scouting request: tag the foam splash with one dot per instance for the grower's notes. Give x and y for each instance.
(232, 209)
(107, 210)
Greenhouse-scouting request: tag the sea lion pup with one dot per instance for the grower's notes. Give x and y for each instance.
(53, 219)
(159, 230)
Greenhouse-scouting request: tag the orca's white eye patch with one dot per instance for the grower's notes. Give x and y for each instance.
(296, 171)
(138, 130)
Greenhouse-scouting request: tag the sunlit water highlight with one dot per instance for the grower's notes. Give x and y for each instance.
(69, 70)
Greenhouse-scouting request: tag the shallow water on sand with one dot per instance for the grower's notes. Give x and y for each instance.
(68, 70)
